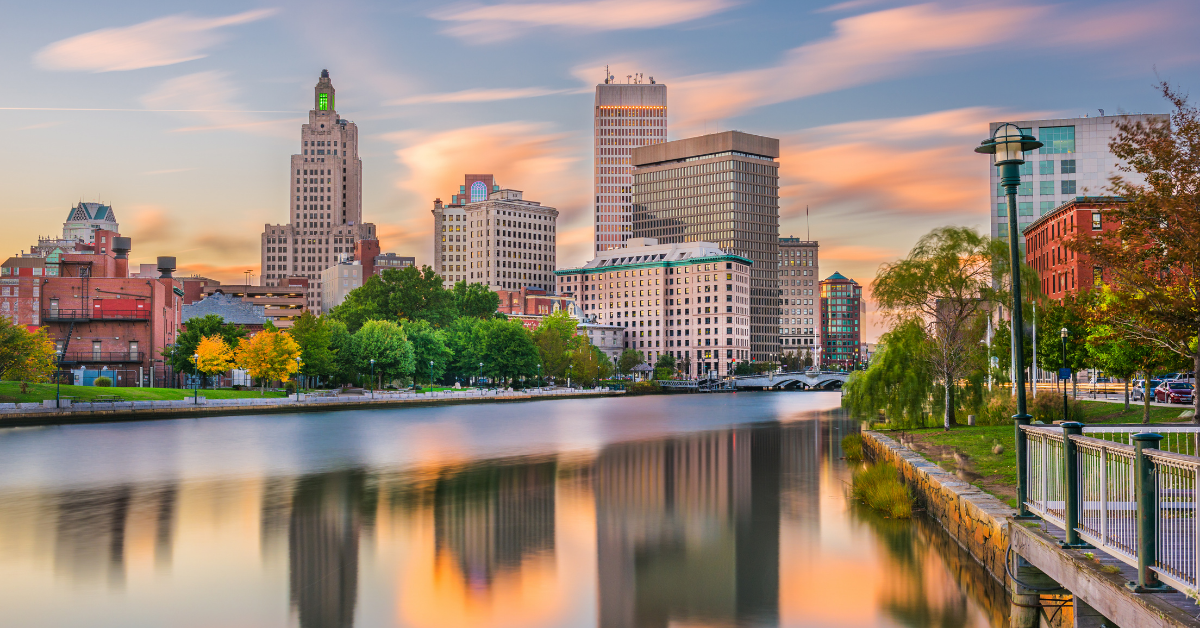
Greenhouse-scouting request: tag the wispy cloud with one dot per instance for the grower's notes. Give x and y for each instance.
(493, 22)
(168, 171)
(852, 5)
(483, 95)
(163, 41)
(212, 98)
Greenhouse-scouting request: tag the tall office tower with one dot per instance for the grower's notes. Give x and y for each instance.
(495, 237)
(721, 188)
(1074, 161)
(841, 315)
(325, 200)
(627, 115)
(799, 296)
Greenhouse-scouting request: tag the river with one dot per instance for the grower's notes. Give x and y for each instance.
(687, 511)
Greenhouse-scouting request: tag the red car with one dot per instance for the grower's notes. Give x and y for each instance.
(1173, 392)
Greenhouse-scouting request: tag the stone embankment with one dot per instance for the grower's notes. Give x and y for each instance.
(67, 412)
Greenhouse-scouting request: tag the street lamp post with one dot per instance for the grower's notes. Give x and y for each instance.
(196, 361)
(539, 376)
(58, 378)
(481, 378)
(372, 378)
(1007, 145)
(299, 382)
(431, 377)
(1064, 333)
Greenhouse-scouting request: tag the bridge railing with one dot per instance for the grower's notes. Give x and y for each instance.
(1113, 488)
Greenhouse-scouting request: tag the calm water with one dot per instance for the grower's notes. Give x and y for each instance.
(684, 511)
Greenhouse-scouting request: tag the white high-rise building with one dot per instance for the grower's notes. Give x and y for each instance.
(1075, 161)
(501, 240)
(325, 201)
(627, 115)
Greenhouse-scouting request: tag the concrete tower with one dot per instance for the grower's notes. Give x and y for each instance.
(627, 115)
(325, 200)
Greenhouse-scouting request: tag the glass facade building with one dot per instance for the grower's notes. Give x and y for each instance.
(841, 323)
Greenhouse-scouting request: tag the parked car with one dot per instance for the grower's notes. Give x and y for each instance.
(1136, 392)
(1103, 380)
(1173, 392)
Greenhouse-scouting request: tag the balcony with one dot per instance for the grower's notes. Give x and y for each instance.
(105, 357)
(61, 315)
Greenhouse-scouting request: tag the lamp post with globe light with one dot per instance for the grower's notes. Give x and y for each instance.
(372, 378)
(196, 361)
(1008, 145)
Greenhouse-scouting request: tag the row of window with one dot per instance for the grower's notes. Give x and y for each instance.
(1045, 188)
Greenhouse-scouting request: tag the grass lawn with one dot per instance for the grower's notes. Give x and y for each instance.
(10, 392)
(967, 451)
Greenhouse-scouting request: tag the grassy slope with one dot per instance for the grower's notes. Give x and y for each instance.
(996, 473)
(10, 392)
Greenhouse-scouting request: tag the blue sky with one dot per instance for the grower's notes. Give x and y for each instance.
(183, 118)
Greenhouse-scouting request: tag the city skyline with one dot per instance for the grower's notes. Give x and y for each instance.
(178, 120)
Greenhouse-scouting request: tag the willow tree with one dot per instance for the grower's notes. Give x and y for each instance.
(1151, 259)
(945, 285)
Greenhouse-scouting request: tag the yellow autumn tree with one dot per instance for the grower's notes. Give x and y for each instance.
(215, 355)
(269, 356)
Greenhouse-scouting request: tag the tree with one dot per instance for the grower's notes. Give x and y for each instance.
(944, 284)
(475, 300)
(268, 356)
(629, 359)
(341, 346)
(1071, 314)
(1118, 354)
(685, 364)
(900, 379)
(313, 336)
(588, 364)
(429, 345)
(1149, 258)
(215, 356)
(395, 294)
(384, 342)
(507, 351)
(665, 361)
(555, 338)
(807, 361)
(179, 355)
(24, 355)
(465, 340)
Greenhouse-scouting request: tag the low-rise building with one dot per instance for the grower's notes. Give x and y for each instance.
(532, 302)
(691, 300)
(282, 304)
(231, 309)
(1062, 271)
(338, 280)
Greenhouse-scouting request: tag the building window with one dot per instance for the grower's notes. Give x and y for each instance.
(1046, 166)
(1045, 188)
(1024, 209)
(1047, 207)
(1096, 222)
(478, 192)
(1025, 189)
(1057, 139)
(1068, 166)
(1068, 187)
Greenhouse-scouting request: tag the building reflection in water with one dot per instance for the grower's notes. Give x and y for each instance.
(688, 529)
(95, 529)
(323, 536)
(490, 517)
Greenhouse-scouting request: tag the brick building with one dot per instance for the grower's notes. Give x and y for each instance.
(841, 316)
(799, 310)
(1060, 270)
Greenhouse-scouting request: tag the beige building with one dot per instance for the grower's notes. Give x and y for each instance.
(799, 296)
(721, 188)
(626, 116)
(688, 299)
(338, 280)
(325, 201)
(505, 242)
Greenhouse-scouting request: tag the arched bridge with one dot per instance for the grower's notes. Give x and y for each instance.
(828, 380)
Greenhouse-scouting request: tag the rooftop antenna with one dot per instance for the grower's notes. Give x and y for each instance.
(1101, 113)
(628, 78)
(607, 77)
(808, 222)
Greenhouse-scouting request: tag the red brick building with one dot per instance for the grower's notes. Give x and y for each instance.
(1061, 270)
(532, 302)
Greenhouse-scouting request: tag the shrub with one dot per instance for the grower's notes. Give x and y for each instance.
(289, 387)
(102, 382)
(1048, 408)
(238, 387)
(644, 388)
(852, 447)
(880, 488)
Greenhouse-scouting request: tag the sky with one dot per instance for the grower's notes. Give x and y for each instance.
(183, 119)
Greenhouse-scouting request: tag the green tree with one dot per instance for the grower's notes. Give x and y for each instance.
(24, 355)
(628, 360)
(384, 342)
(313, 336)
(944, 284)
(395, 294)
(464, 338)
(429, 345)
(588, 365)
(899, 381)
(1118, 354)
(475, 300)
(179, 355)
(507, 350)
(665, 361)
(555, 338)
(1149, 258)
(344, 362)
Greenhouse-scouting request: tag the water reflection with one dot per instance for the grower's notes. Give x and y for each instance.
(738, 526)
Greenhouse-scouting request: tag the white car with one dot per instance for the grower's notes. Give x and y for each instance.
(1136, 392)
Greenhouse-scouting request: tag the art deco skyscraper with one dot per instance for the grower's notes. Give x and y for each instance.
(325, 200)
(627, 115)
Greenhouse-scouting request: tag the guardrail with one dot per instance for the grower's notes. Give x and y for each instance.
(1113, 488)
(93, 314)
(76, 357)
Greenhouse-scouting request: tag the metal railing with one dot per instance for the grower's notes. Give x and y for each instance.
(93, 314)
(1113, 488)
(76, 357)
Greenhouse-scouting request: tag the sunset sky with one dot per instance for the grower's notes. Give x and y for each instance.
(184, 121)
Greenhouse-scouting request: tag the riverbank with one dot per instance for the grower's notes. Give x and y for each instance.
(48, 413)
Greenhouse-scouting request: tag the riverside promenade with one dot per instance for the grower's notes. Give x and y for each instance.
(66, 412)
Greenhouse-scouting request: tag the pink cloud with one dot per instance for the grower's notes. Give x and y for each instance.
(494, 22)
